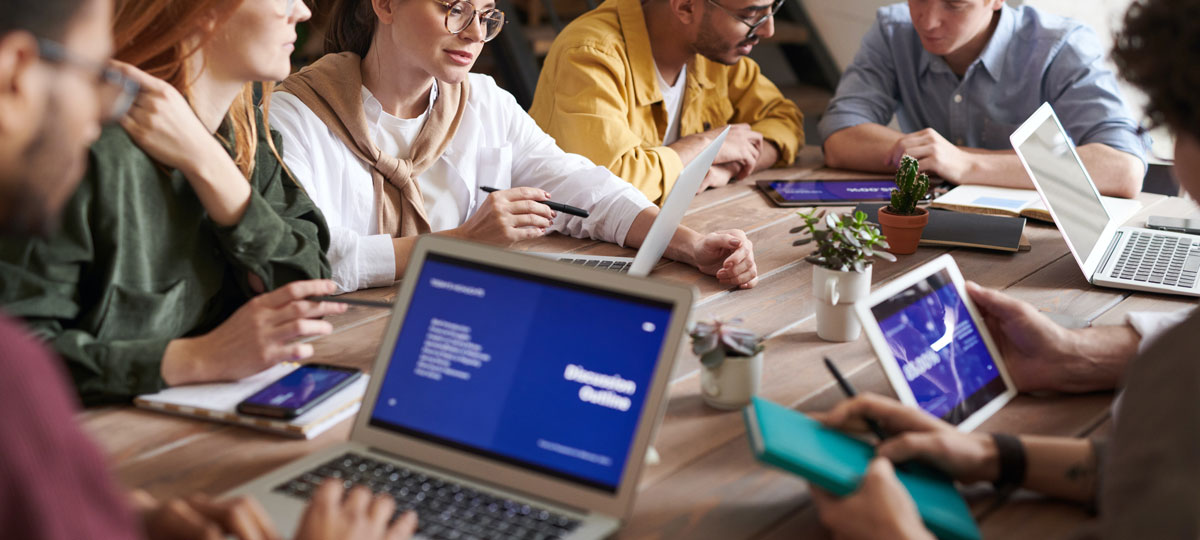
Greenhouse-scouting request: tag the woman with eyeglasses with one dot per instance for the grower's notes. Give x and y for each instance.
(186, 254)
(393, 138)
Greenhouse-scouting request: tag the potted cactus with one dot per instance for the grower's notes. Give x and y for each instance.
(730, 362)
(842, 264)
(902, 220)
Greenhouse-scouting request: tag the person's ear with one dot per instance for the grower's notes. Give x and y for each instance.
(685, 10)
(385, 10)
(20, 84)
(997, 4)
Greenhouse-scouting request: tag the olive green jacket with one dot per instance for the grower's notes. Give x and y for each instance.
(137, 263)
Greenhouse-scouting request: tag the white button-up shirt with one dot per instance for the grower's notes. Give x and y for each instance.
(497, 144)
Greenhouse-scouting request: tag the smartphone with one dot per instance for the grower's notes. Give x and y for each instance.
(299, 391)
(1183, 225)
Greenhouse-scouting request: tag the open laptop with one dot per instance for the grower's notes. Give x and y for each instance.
(664, 225)
(1109, 255)
(512, 397)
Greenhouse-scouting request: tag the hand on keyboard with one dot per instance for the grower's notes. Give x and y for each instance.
(359, 515)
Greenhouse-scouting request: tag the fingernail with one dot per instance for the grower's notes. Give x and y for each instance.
(546, 193)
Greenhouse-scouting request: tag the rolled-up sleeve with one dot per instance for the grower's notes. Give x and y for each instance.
(868, 91)
(1086, 98)
(612, 203)
(758, 102)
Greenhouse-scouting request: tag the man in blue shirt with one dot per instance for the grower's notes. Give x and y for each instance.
(960, 76)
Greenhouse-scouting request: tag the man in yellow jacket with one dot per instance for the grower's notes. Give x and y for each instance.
(642, 86)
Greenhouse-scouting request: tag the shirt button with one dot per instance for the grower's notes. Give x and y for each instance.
(958, 98)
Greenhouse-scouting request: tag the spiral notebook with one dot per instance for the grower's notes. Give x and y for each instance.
(218, 402)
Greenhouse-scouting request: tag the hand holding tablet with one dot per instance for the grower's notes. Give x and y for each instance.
(934, 346)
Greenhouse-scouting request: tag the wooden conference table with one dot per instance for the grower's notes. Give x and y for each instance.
(707, 485)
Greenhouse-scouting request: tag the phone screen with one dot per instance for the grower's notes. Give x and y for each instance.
(834, 191)
(298, 388)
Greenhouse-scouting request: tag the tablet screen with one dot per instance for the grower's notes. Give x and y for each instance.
(939, 349)
(833, 191)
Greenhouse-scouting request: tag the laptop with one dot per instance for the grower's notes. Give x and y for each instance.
(512, 397)
(664, 225)
(1110, 255)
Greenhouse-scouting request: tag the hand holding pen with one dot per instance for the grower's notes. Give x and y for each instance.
(508, 216)
(557, 207)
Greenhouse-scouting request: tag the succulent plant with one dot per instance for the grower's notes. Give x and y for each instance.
(713, 340)
(847, 243)
(910, 187)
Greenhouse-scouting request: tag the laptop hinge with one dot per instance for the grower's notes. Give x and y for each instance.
(1112, 246)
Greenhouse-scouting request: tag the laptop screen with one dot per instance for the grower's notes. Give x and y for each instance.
(543, 374)
(1068, 190)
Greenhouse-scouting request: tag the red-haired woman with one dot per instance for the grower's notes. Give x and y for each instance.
(187, 252)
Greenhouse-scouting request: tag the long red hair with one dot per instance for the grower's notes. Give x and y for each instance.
(160, 37)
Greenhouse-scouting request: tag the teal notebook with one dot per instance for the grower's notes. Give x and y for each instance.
(788, 439)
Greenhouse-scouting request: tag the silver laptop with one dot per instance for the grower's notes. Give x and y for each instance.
(1109, 255)
(663, 229)
(512, 397)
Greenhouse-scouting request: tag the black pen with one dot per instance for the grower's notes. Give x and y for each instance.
(558, 207)
(849, 391)
(351, 301)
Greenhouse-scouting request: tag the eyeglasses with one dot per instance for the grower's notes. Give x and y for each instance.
(461, 13)
(116, 91)
(752, 22)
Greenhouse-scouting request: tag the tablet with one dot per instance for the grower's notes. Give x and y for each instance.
(934, 346)
(826, 192)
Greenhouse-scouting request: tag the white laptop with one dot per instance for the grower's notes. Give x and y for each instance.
(1109, 255)
(512, 397)
(665, 224)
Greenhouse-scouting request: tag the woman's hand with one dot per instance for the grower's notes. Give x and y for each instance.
(198, 517)
(967, 457)
(509, 216)
(257, 336)
(162, 123)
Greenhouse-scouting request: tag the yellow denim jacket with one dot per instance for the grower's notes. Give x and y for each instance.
(598, 96)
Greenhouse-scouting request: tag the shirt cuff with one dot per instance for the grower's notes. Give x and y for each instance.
(254, 237)
(785, 137)
(1153, 324)
(377, 260)
(135, 368)
(833, 122)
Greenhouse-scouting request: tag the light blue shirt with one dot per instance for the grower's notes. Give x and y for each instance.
(1033, 57)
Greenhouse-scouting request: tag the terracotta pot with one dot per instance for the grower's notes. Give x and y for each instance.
(903, 232)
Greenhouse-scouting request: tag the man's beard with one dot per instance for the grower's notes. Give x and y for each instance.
(46, 165)
(710, 45)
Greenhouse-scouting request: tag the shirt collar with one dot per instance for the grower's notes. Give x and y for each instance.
(992, 56)
(373, 110)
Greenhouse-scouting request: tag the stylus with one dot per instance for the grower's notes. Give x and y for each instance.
(850, 392)
(560, 207)
(351, 301)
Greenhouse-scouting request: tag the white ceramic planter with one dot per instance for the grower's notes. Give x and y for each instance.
(836, 292)
(732, 383)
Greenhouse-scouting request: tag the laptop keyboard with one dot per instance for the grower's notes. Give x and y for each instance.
(616, 266)
(445, 510)
(1159, 259)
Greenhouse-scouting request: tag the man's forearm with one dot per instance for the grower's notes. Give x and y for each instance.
(1114, 172)
(1060, 467)
(865, 147)
(683, 244)
(1097, 357)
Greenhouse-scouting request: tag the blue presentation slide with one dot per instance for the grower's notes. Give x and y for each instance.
(940, 351)
(548, 375)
